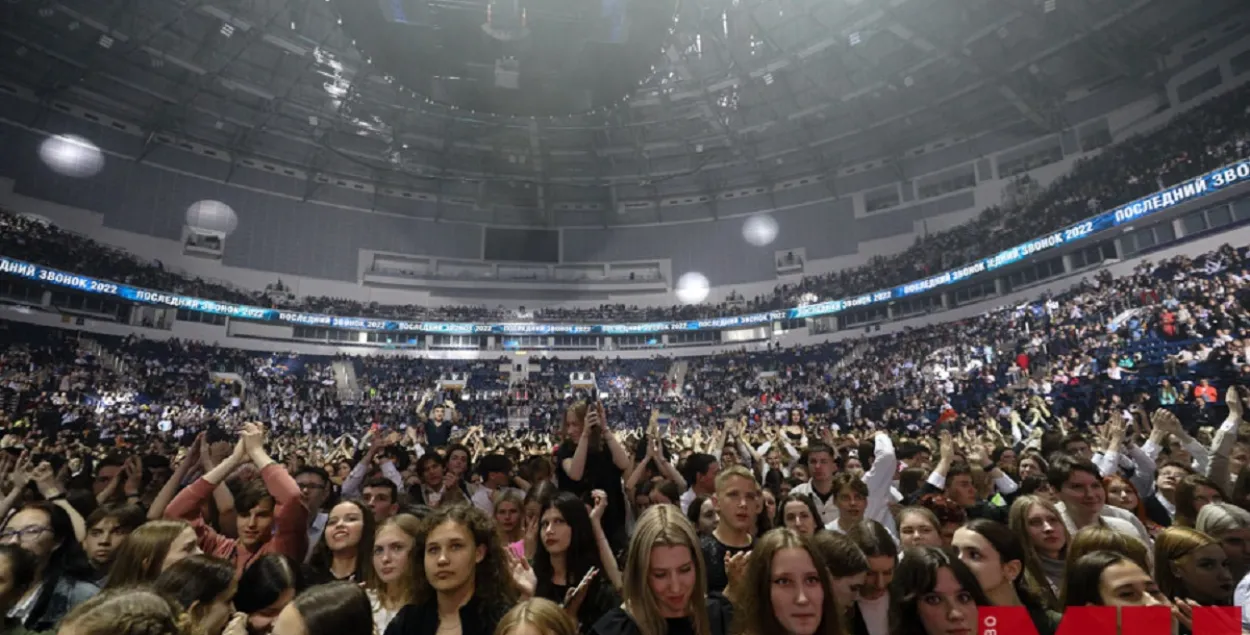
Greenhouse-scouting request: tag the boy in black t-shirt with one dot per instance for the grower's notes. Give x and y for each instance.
(738, 502)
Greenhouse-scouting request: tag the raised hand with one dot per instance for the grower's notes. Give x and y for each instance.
(191, 458)
(7, 463)
(977, 455)
(1233, 399)
(736, 568)
(574, 597)
(449, 483)
(1165, 420)
(253, 438)
(45, 480)
(599, 505)
(134, 476)
(523, 574)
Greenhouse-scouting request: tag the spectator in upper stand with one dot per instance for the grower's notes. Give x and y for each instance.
(701, 471)
(1206, 392)
(271, 518)
(820, 460)
(1167, 393)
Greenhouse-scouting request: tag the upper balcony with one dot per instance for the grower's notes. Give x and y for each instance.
(571, 279)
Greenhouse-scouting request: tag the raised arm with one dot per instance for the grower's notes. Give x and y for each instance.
(290, 515)
(186, 504)
(607, 558)
(666, 468)
(575, 466)
(52, 490)
(194, 455)
(620, 456)
(1225, 439)
(356, 479)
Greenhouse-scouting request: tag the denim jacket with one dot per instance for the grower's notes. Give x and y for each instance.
(65, 595)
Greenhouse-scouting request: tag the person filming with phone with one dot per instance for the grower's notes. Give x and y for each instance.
(590, 457)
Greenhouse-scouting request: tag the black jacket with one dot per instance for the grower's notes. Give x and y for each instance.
(618, 622)
(476, 618)
(1157, 512)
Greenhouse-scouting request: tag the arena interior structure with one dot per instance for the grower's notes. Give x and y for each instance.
(471, 179)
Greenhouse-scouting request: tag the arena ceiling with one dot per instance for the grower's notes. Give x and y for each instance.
(736, 93)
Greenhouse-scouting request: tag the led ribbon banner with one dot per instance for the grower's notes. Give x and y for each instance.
(1187, 191)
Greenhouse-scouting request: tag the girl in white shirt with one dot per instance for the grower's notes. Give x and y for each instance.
(390, 583)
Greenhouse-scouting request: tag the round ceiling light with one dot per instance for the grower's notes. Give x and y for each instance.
(213, 216)
(71, 155)
(760, 230)
(692, 288)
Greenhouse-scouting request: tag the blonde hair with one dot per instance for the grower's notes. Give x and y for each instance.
(511, 496)
(1099, 538)
(130, 611)
(141, 554)
(546, 616)
(1217, 519)
(1171, 546)
(406, 585)
(1035, 579)
(662, 526)
(737, 471)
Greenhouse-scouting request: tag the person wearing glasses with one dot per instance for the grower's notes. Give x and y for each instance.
(314, 491)
(62, 570)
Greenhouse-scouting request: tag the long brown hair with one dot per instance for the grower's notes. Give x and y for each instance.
(662, 526)
(140, 556)
(1035, 579)
(492, 578)
(754, 614)
(403, 588)
(1171, 546)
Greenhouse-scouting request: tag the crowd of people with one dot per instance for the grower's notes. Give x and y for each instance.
(1192, 143)
(1085, 448)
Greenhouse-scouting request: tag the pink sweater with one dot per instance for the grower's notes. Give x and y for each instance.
(290, 520)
